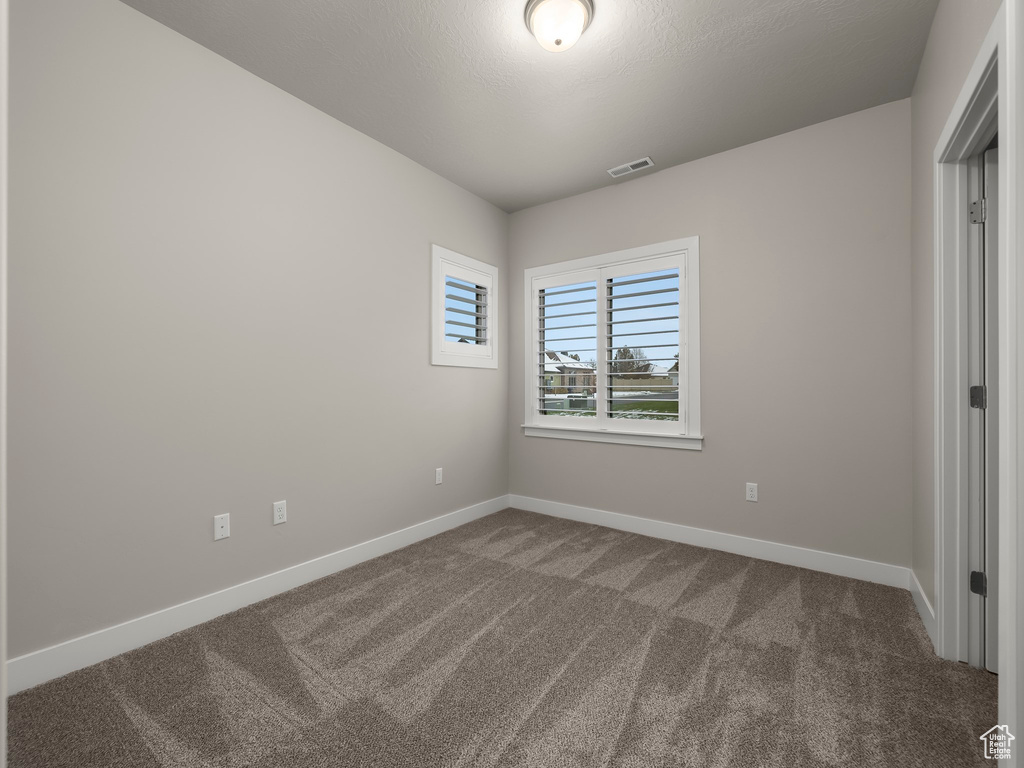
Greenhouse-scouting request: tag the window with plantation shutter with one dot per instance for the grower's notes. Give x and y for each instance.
(566, 362)
(643, 346)
(614, 347)
(465, 311)
(463, 299)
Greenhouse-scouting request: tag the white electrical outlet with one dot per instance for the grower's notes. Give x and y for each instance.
(437, 475)
(281, 512)
(751, 491)
(221, 527)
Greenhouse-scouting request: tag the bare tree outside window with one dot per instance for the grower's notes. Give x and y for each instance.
(630, 360)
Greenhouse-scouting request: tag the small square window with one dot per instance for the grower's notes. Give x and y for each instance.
(464, 308)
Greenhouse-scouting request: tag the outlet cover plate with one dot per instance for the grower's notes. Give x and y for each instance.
(221, 527)
(280, 512)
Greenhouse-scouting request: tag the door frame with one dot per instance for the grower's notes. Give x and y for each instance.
(971, 126)
(4, 38)
(4, 54)
(1011, 379)
(997, 78)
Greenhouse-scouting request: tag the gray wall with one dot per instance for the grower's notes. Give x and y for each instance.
(805, 369)
(956, 35)
(219, 299)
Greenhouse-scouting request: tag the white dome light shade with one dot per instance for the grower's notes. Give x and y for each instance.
(558, 24)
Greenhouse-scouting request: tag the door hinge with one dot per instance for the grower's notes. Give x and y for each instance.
(979, 211)
(979, 583)
(979, 396)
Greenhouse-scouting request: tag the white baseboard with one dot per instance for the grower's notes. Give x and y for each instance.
(49, 663)
(39, 666)
(924, 607)
(813, 559)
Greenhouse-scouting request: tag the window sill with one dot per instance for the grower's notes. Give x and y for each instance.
(684, 442)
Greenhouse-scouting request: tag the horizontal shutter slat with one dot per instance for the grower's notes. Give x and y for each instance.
(643, 333)
(465, 325)
(643, 320)
(474, 302)
(644, 306)
(638, 362)
(465, 312)
(673, 387)
(466, 286)
(633, 281)
(561, 292)
(460, 336)
(569, 338)
(567, 303)
(564, 327)
(617, 296)
(640, 346)
(572, 314)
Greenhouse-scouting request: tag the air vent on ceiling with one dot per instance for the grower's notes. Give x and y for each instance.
(633, 167)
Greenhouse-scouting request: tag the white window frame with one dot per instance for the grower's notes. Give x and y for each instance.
(682, 254)
(447, 263)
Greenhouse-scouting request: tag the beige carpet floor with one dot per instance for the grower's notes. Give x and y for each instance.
(522, 640)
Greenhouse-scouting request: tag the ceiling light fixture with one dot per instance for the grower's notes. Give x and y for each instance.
(558, 24)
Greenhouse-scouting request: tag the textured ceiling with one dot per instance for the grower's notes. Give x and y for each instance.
(461, 87)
